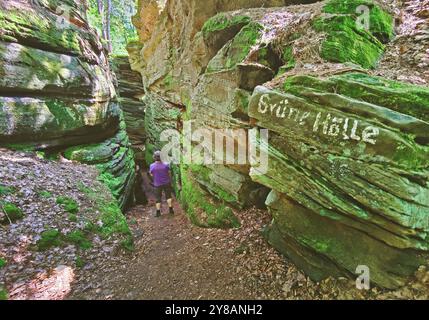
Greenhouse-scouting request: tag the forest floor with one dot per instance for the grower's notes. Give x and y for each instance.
(177, 260)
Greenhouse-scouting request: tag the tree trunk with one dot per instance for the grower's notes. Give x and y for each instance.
(100, 4)
(108, 14)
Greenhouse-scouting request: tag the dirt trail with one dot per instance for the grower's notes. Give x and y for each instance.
(174, 259)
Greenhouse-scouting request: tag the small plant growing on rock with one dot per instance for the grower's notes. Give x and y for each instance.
(2, 262)
(69, 204)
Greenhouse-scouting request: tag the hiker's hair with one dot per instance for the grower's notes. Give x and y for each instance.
(157, 155)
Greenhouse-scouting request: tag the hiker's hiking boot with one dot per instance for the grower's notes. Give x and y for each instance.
(158, 213)
(171, 210)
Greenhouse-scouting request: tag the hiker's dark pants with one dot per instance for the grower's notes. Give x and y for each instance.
(167, 191)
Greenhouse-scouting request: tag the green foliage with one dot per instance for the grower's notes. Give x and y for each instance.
(73, 217)
(12, 212)
(2, 262)
(49, 238)
(70, 205)
(122, 29)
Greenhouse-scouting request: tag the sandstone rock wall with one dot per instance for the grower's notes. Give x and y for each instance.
(131, 93)
(348, 151)
(56, 88)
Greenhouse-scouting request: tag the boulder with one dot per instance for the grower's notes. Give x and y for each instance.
(348, 154)
(131, 92)
(57, 91)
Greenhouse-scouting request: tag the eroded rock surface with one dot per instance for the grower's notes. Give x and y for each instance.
(348, 153)
(56, 88)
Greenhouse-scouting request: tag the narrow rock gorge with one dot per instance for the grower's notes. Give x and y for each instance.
(348, 145)
(329, 99)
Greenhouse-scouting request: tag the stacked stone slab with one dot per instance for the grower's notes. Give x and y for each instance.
(56, 88)
(131, 92)
(348, 156)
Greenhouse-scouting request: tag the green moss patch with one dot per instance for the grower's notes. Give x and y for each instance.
(49, 238)
(237, 49)
(111, 217)
(44, 194)
(2, 262)
(79, 239)
(3, 294)
(5, 190)
(80, 263)
(346, 43)
(221, 21)
(72, 217)
(54, 238)
(12, 212)
(381, 23)
(70, 205)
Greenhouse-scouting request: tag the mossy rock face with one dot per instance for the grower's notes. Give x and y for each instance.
(37, 26)
(221, 28)
(348, 161)
(222, 21)
(41, 123)
(237, 49)
(52, 73)
(381, 23)
(345, 43)
(114, 160)
(201, 209)
(351, 38)
(228, 185)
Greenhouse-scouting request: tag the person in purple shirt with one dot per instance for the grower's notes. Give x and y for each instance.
(160, 172)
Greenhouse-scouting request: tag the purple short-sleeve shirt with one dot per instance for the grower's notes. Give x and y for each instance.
(161, 173)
